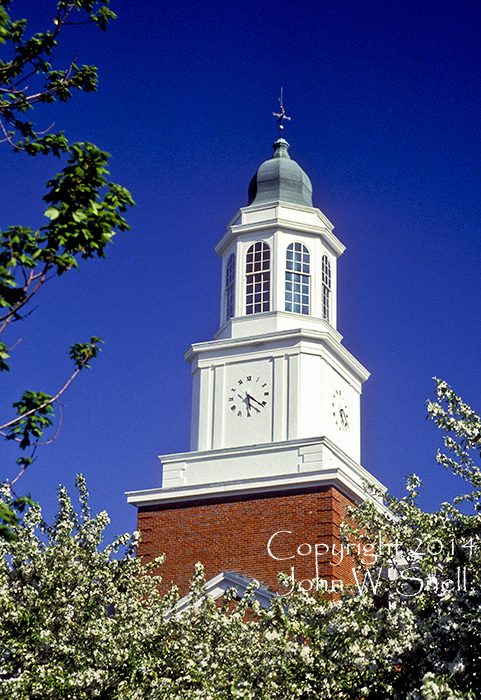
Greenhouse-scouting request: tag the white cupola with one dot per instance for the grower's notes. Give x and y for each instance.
(279, 255)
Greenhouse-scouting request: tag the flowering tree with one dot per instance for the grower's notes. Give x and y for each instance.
(79, 621)
(74, 617)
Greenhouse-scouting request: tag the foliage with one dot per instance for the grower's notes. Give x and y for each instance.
(74, 617)
(80, 624)
(84, 210)
(9, 515)
(31, 61)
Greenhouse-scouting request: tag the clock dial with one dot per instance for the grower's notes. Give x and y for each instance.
(248, 397)
(339, 410)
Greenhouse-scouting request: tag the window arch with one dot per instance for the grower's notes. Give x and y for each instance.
(326, 288)
(297, 278)
(258, 278)
(230, 287)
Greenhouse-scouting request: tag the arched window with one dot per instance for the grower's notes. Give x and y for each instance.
(258, 278)
(230, 287)
(297, 278)
(326, 288)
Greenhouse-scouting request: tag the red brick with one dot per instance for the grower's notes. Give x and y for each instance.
(232, 534)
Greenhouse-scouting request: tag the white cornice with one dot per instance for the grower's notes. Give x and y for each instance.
(273, 484)
(279, 203)
(349, 477)
(328, 336)
(323, 229)
(310, 323)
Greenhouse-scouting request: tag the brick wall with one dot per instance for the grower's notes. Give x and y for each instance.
(233, 533)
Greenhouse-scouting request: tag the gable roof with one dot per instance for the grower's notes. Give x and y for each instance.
(217, 586)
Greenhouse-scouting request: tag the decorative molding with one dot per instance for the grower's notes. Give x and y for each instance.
(217, 586)
(329, 466)
(327, 336)
(247, 220)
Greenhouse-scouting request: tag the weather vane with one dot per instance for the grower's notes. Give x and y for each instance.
(282, 115)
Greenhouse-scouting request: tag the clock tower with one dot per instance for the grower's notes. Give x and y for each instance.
(274, 457)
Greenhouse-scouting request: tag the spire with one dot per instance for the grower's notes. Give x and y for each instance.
(280, 179)
(280, 149)
(282, 115)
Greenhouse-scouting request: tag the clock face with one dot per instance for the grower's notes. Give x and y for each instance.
(248, 396)
(339, 410)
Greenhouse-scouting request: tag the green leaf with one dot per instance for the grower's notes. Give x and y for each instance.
(79, 216)
(81, 353)
(52, 213)
(36, 410)
(4, 367)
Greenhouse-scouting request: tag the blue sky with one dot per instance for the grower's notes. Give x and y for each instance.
(384, 101)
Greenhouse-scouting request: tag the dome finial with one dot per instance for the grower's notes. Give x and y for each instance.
(282, 115)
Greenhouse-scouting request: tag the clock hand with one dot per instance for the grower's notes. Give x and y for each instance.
(249, 404)
(253, 399)
(246, 400)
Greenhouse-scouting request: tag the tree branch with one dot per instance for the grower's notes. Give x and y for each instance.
(5, 320)
(22, 470)
(53, 399)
